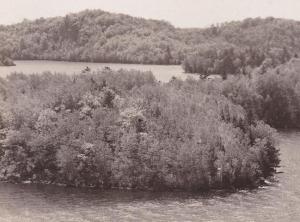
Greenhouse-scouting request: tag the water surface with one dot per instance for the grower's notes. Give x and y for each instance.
(275, 203)
(162, 72)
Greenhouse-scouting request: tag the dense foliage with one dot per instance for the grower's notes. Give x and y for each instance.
(98, 36)
(231, 60)
(273, 96)
(124, 129)
(95, 36)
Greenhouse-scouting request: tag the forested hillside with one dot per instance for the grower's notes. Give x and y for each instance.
(238, 47)
(95, 36)
(98, 36)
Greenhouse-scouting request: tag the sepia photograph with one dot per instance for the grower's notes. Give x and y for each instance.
(149, 111)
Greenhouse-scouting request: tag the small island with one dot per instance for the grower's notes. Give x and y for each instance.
(6, 61)
(125, 130)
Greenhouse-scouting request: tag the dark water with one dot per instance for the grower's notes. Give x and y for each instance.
(162, 72)
(278, 202)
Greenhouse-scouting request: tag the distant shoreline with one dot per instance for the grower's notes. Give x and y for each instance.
(94, 62)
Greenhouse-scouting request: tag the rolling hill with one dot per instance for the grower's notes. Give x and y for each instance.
(99, 36)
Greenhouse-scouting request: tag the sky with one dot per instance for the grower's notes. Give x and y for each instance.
(181, 13)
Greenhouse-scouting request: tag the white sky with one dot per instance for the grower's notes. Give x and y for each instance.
(181, 13)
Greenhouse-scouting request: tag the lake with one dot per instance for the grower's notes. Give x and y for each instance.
(277, 202)
(162, 72)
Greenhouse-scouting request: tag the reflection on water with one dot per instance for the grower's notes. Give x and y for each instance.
(279, 202)
(162, 72)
